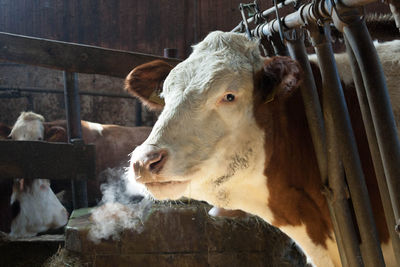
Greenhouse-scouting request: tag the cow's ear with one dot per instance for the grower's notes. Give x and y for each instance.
(146, 83)
(55, 134)
(278, 78)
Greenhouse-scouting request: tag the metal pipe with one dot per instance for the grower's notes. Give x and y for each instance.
(373, 146)
(312, 105)
(395, 9)
(308, 13)
(379, 102)
(138, 113)
(345, 232)
(57, 91)
(265, 13)
(337, 111)
(74, 129)
(315, 121)
(279, 47)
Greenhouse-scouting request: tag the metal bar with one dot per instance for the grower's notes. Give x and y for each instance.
(337, 111)
(306, 14)
(395, 9)
(74, 129)
(312, 105)
(72, 57)
(376, 157)
(379, 102)
(138, 113)
(315, 121)
(338, 205)
(265, 13)
(56, 91)
(345, 232)
(279, 47)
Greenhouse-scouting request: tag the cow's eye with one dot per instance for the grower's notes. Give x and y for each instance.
(229, 97)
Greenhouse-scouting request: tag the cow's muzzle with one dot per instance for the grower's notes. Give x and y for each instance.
(147, 162)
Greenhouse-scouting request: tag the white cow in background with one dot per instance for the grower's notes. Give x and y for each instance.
(34, 205)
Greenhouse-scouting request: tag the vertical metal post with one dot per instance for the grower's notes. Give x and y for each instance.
(337, 201)
(171, 52)
(375, 153)
(138, 113)
(72, 107)
(379, 102)
(336, 111)
(279, 46)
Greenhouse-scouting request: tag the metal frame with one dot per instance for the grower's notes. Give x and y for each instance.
(335, 147)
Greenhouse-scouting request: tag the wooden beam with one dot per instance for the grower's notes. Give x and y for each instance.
(36, 159)
(71, 57)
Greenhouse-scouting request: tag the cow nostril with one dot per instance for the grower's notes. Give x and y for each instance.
(157, 161)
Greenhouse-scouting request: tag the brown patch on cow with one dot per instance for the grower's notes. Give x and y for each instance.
(293, 177)
(147, 79)
(55, 134)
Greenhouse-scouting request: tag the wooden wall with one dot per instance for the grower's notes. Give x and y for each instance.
(143, 25)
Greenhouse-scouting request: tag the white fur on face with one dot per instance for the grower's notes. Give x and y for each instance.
(212, 144)
(40, 210)
(29, 126)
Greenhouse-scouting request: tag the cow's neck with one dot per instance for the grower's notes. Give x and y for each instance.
(295, 198)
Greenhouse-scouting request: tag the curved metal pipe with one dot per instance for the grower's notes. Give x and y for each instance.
(336, 110)
(379, 102)
(375, 153)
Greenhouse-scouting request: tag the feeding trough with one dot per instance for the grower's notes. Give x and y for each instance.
(184, 235)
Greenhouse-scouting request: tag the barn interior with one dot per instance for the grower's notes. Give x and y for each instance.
(67, 60)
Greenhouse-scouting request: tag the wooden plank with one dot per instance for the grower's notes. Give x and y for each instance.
(35, 159)
(71, 57)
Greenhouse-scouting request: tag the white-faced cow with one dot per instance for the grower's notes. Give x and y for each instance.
(113, 144)
(29, 207)
(219, 140)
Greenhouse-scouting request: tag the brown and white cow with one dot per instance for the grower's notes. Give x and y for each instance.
(113, 144)
(29, 207)
(219, 140)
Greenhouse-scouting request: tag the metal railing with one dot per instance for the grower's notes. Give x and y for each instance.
(332, 133)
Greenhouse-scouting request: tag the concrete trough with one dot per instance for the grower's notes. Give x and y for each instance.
(184, 235)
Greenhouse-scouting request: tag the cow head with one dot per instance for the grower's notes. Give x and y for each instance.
(208, 142)
(29, 126)
(36, 208)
